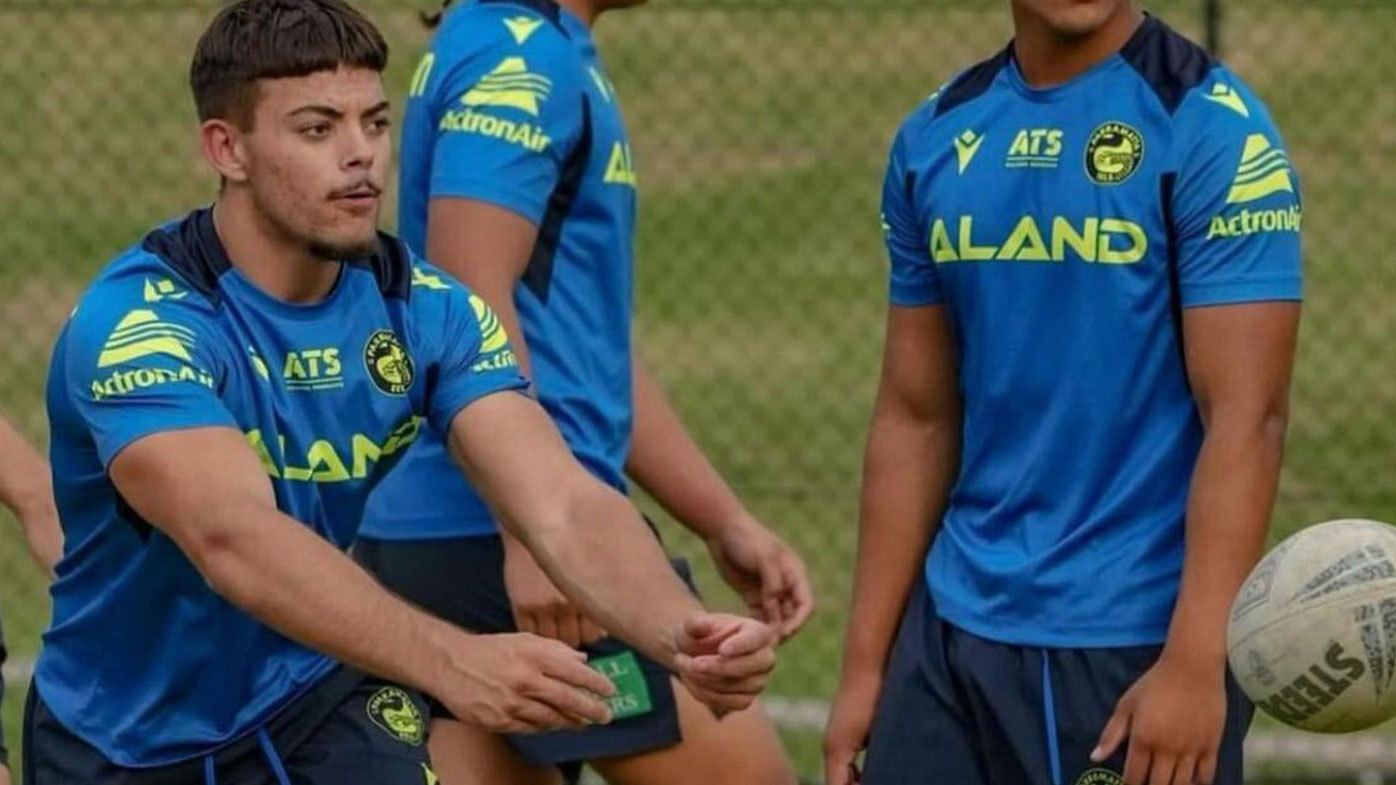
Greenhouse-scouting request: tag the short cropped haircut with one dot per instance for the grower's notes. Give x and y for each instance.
(251, 40)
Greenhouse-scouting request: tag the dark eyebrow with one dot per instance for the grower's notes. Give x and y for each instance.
(327, 111)
(379, 108)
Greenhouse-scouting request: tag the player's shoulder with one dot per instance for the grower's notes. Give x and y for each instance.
(529, 29)
(157, 280)
(965, 89)
(1191, 84)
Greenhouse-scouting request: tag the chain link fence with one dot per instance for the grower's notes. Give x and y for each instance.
(761, 128)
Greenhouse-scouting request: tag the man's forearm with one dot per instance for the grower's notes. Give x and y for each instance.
(907, 474)
(25, 483)
(606, 560)
(1232, 496)
(667, 463)
(297, 583)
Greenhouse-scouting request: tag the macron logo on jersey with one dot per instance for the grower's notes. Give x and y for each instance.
(510, 84)
(522, 28)
(1264, 170)
(1227, 96)
(141, 333)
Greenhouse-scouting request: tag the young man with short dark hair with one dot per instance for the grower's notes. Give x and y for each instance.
(222, 402)
(1095, 298)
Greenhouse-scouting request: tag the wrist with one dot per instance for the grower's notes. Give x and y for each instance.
(1194, 656)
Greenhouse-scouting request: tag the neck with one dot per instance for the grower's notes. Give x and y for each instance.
(585, 10)
(274, 263)
(1047, 57)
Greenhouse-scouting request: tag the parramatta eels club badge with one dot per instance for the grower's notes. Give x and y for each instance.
(388, 363)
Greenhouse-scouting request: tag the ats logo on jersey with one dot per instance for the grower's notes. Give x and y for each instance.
(313, 369)
(1035, 148)
(1113, 153)
(388, 363)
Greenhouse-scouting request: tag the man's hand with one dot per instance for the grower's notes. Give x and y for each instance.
(522, 683)
(850, 721)
(1173, 717)
(539, 607)
(725, 660)
(768, 574)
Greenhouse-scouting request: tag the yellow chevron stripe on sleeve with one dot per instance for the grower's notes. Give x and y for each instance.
(1264, 170)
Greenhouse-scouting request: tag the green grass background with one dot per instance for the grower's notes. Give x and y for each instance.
(761, 129)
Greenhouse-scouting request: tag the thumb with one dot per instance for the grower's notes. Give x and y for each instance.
(700, 626)
(1116, 729)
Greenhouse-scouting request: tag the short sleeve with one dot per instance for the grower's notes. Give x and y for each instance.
(138, 368)
(914, 281)
(509, 115)
(1236, 204)
(464, 341)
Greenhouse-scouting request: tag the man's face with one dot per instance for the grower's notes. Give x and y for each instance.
(1072, 17)
(318, 156)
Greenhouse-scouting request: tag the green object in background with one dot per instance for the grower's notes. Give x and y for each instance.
(632, 696)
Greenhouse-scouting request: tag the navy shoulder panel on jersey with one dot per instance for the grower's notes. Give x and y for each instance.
(391, 266)
(191, 248)
(972, 83)
(1168, 61)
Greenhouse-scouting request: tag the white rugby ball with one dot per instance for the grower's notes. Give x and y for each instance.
(1312, 637)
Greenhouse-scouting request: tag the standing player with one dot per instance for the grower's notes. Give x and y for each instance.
(222, 402)
(518, 177)
(26, 490)
(1095, 285)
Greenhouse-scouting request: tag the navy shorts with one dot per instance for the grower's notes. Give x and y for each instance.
(461, 580)
(957, 709)
(350, 728)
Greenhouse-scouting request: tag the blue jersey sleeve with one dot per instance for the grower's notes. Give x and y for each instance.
(464, 343)
(509, 113)
(137, 365)
(1236, 205)
(914, 280)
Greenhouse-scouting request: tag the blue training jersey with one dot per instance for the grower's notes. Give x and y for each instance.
(1063, 230)
(512, 107)
(143, 660)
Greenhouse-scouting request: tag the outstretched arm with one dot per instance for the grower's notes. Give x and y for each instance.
(593, 544)
(26, 487)
(206, 489)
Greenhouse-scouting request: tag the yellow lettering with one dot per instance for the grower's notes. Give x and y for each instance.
(1135, 252)
(1054, 142)
(968, 250)
(1020, 145)
(1083, 243)
(941, 249)
(1025, 243)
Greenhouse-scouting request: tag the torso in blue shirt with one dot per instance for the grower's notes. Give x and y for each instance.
(143, 660)
(512, 107)
(1062, 229)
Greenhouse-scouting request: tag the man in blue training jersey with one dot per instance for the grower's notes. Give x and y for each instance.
(26, 491)
(518, 177)
(1094, 303)
(222, 402)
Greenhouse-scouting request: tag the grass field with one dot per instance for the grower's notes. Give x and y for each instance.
(760, 132)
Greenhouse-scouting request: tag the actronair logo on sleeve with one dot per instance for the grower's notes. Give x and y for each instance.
(1264, 170)
(510, 84)
(142, 333)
